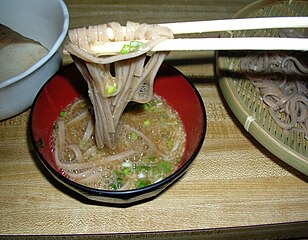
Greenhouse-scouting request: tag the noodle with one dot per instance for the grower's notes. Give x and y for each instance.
(116, 148)
(89, 131)
(90, 152)
(281, 80)
(132, 78)
(150, 141)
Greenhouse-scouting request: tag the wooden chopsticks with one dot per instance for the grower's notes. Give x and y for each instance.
(236, 24)
(249, 43)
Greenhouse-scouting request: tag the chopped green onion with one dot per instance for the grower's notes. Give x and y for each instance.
(133, 136)
(150, 106)
(136, 44)
(119, 182)
(62, 114)
(117, 173)
(147, 123)
(146, 107)
(111, 89)
(142, 183)
(126, 171)
(164, 166)
(125, 49)
(142, 168)
(170, 143)
(113, 186)
(131, 47)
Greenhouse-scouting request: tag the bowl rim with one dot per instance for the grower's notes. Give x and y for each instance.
(122, 194)
(50, 53)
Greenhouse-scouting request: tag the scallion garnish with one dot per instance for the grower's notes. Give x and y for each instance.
(111, 89)
(164, 166)
(62, 114)
(131, 47)
(170, 143)
(133, 136)
(147, 122)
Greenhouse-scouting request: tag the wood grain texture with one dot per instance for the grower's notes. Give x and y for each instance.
(233, 182)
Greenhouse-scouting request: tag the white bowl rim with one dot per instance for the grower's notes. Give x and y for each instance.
(44, 59)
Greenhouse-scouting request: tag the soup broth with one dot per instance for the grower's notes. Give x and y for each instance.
(149, 144)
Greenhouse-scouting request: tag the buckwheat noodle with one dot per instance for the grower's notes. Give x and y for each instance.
(113, 81)
(281, 80)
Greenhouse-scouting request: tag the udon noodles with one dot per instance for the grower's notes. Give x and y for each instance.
(112, 150)
(281, 80)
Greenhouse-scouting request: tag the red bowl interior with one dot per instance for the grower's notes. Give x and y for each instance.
(68, 84)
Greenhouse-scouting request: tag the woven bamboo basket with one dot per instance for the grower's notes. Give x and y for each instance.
(288, 145)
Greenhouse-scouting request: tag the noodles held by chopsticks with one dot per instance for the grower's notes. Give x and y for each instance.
(113, 81)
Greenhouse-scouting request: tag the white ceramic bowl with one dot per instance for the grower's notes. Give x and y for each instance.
(45, 21)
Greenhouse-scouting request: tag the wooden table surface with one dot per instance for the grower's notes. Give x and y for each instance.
(234, 189)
